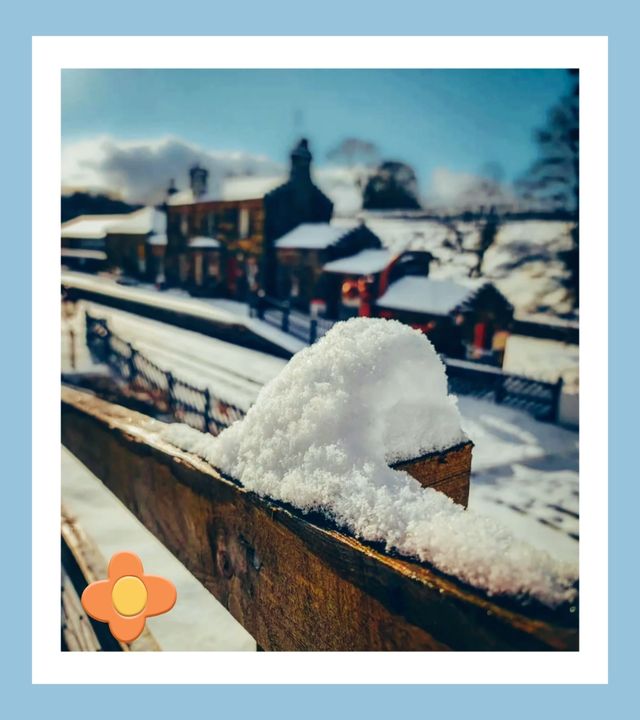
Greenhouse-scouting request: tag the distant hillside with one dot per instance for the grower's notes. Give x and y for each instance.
(82, 203)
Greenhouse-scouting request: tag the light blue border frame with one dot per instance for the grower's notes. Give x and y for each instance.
(330, 17)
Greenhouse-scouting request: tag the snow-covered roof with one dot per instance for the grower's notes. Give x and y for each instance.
(424, 295)
(96, 227)
(314, 236)
(203, 242)
(83, 254)
(365, 262)
(89, 227)
(141, 222)
(157, 239)
(250, 187)
(186, 197)
(339, 184)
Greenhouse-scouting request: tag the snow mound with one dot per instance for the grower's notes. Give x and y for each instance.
(322, 434)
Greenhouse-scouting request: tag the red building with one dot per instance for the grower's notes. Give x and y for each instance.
(463, 318)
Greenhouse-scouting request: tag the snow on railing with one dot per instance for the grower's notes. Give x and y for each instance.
(323, 434)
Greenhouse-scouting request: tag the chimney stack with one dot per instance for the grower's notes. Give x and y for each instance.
(199, 177)
(301, 162)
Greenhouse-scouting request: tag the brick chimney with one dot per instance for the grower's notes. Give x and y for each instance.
(199, 177)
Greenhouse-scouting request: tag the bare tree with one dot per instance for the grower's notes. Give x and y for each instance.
(552, 182)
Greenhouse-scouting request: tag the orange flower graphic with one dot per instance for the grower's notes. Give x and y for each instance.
(128, 597)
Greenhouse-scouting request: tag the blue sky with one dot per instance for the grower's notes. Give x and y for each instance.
(456, 119)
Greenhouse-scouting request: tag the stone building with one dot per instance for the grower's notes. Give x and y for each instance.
(238, 222)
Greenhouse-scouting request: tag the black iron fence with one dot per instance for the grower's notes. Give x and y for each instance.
(283, 316)
(169, 394)
(538, 398)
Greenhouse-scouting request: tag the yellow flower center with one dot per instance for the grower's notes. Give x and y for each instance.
(129, 595)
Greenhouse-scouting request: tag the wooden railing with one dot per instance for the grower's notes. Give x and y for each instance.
(292, 580)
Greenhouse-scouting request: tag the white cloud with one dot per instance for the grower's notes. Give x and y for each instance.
(140, 170)
(343, 185)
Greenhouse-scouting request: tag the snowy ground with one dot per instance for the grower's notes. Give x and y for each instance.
(231, 372)
(217, 310)
(545, 360)
(522, 261)
(539, 359)
(525, 473)
(198, 621)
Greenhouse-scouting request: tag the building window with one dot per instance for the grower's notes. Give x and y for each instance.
(244, 223)
(173, 222)
(213, 268)
(211, 225)
(229, 222)
(183, 268)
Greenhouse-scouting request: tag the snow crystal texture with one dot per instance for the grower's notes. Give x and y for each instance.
(322, 434)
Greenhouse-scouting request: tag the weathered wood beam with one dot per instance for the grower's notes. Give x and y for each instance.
(448, 472)
(77, 633)
(293, 582)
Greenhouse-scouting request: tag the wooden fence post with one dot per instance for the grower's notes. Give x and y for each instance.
(131, 366)
(97, 340)
(557, 399)
(72, 348)
(131, 363)
(285, 318)
(170, 395)
(207, 409)
(313, 331)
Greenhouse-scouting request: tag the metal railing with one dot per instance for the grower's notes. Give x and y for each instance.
(187, 403)
(199, 408)
(281, 315)
(538, 398)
